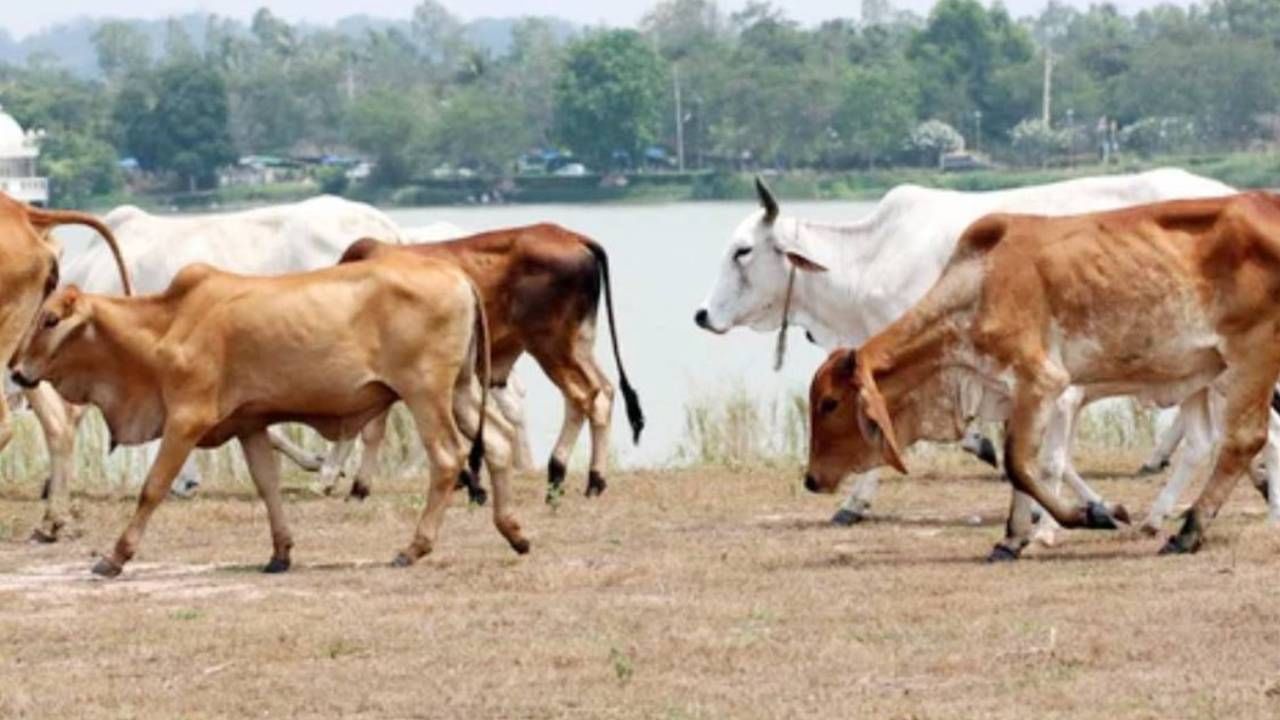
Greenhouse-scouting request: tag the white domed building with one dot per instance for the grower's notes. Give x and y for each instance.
(19, 150)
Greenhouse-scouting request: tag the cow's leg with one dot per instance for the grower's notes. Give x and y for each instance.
(569, 429)
(264, 466)
(304, 459)
(1244, 432)
(58, 421)
(1267, 479)
(176, 446)
(433, 415)
(510, 401)
(499, 452)
(599, 415)
(1196, 430)
(1059, 440)
(371, 437)
(1166, 444)
(335, 464)
(1033, 405)
(855, 507)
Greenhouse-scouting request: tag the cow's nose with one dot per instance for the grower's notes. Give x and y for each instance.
(702, 319)
(810, 483)
(21, 380)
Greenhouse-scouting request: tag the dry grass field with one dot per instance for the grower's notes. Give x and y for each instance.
(679, 594)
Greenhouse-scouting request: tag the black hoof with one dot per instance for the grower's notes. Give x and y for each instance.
(401, 561)
(359, 491)
(107, 569)
(1001, 553)
(845, 517)
(521, 546)
(595, 484)
(477, 495)
(1177, 545)
(987, 453)
(1265, 490)
(40, 537)
(1098, 517)
(555, 473)
(47, 488)
(1153, 469)
(277, 565)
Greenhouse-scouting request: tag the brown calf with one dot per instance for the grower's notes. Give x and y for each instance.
(1161, 301)
(220, 356)
(29, 272)
(541, 288)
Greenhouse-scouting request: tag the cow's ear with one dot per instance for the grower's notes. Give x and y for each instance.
(804, 263)
(877, 426)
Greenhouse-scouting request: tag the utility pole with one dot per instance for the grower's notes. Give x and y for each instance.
(1047, 116)
(675, 80)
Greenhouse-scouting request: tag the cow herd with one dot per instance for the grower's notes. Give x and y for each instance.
(943, 311)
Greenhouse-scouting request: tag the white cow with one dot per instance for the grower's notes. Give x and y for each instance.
(881, 265)
(266, 241)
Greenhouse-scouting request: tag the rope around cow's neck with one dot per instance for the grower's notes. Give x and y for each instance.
(780, 353)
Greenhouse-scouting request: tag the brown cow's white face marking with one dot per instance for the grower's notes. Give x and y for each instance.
(63, 316)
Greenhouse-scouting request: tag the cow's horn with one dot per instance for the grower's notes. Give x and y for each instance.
(767, 202)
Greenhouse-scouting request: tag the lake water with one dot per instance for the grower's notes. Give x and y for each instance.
(663, 260)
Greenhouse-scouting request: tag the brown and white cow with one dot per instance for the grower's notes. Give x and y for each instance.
(220, 356)
(29, 272)
(1161, 301)
(541, 288)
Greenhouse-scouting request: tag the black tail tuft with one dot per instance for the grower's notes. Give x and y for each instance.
(635, 415)
(476, 456)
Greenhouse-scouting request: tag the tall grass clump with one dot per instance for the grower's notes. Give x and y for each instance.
(732, 428)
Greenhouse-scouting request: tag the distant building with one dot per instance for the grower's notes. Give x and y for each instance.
(19, 150)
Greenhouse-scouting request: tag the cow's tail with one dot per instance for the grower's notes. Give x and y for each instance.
(635, 415)
(45, 220)
(481, 335)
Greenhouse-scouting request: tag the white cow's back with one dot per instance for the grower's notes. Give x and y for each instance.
(264, 241)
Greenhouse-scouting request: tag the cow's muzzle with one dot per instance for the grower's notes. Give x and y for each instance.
(23, 381)
(702, 319)
(811, 483)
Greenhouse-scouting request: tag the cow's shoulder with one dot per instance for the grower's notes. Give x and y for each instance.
(191, 277)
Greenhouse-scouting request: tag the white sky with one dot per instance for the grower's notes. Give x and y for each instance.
(22, 18)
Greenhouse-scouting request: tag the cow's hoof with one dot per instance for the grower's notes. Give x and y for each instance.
(1178, 545)
(1150, 527)
(521, 546)
(1149, 469)
(595, 484)
(845, 517)
(40, 536)
(359, 491)
(106, 568)
(478, 495)
(987, 453)
(277, 565)
(1001, 554)
(1098, 517)
(1264, 490)
(401, 561)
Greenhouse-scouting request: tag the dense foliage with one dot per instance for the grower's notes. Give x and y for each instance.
(757, 90)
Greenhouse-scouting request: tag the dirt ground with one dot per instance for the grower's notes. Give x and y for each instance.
(679, 594)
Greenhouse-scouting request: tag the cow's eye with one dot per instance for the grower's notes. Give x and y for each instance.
(828, 405)
(741, 253)
(50, 320)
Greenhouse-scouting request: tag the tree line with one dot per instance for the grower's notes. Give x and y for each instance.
(691, 86)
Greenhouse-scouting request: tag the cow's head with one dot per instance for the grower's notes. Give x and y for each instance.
(48, 347)
(850, 430)
(752, 285)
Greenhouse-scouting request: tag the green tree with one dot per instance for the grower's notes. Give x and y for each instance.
(386, 124)
(476, 129)
(122, 49)
(609, 96)
(877, 107)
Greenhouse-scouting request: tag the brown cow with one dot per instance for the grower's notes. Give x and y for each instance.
(1161, 301)
(541, 286)
(220, 356)
(29, 272)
